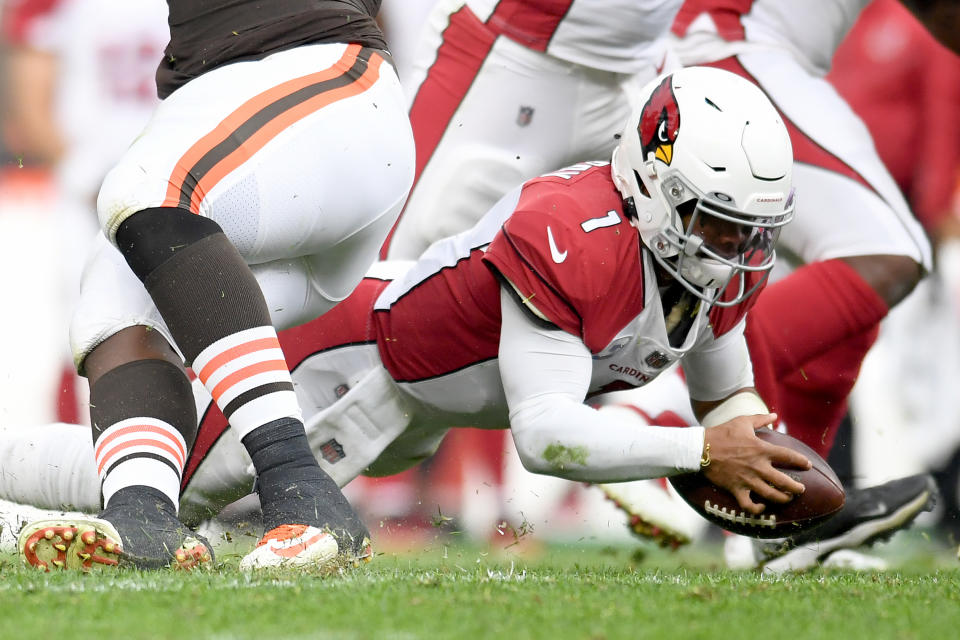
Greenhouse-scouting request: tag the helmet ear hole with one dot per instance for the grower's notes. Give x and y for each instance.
(643, 187)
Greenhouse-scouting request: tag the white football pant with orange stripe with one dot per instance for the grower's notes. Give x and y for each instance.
(304, 159)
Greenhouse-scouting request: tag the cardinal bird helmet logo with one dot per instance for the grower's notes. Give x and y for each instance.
(660, 122)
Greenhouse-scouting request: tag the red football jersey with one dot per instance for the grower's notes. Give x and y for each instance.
(565, 245)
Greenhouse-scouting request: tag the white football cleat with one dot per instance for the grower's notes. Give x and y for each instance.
(868, 516)
(655, 512)
(293, 545)
(741, 552)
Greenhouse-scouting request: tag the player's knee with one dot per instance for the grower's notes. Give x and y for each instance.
(149, 238)
(120, 196)
(125, 346)
(893, 277)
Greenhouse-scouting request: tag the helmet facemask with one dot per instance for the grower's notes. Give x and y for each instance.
(684, 249)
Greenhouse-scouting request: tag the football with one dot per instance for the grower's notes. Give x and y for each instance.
(823, 496)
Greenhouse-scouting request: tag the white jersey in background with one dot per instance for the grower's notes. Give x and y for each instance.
(811, 30)
(622, 36)
(107, 53)
(91, 90)
(500, 92)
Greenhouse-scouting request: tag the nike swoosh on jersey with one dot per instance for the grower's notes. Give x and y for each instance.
(555, 253)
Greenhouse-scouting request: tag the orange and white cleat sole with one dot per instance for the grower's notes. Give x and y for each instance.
(76, 544)
(293, 545)
(89, 543)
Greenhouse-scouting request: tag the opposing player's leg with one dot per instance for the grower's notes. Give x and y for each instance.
(179, 209)
(49, 467)
(143, 418)
(335, 359)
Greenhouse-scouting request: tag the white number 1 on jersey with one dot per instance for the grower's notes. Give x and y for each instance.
(598, 223)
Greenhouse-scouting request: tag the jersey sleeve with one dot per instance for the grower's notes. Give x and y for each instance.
(588, 283)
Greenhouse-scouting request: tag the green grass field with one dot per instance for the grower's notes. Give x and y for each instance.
(445, 591)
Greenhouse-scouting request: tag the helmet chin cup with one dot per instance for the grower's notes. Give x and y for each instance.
(704, 272)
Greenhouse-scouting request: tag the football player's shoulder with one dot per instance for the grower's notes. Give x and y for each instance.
(570, 227)
(584, 179)
(573, 196)
(582, 212)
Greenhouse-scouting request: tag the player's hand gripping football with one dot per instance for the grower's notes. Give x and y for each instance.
(740, 462)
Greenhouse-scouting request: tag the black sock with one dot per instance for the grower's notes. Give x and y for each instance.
(294, 489)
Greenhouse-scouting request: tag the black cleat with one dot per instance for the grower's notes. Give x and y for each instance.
(868, 516)
(139, 529)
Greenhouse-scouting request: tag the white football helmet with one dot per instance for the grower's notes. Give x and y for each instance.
(707, 142)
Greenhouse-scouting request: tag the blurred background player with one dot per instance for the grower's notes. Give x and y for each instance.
(78, 87)
(403, 22)
(503, 91)
(227, 175)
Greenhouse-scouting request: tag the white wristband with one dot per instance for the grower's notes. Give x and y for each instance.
(745, 403)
